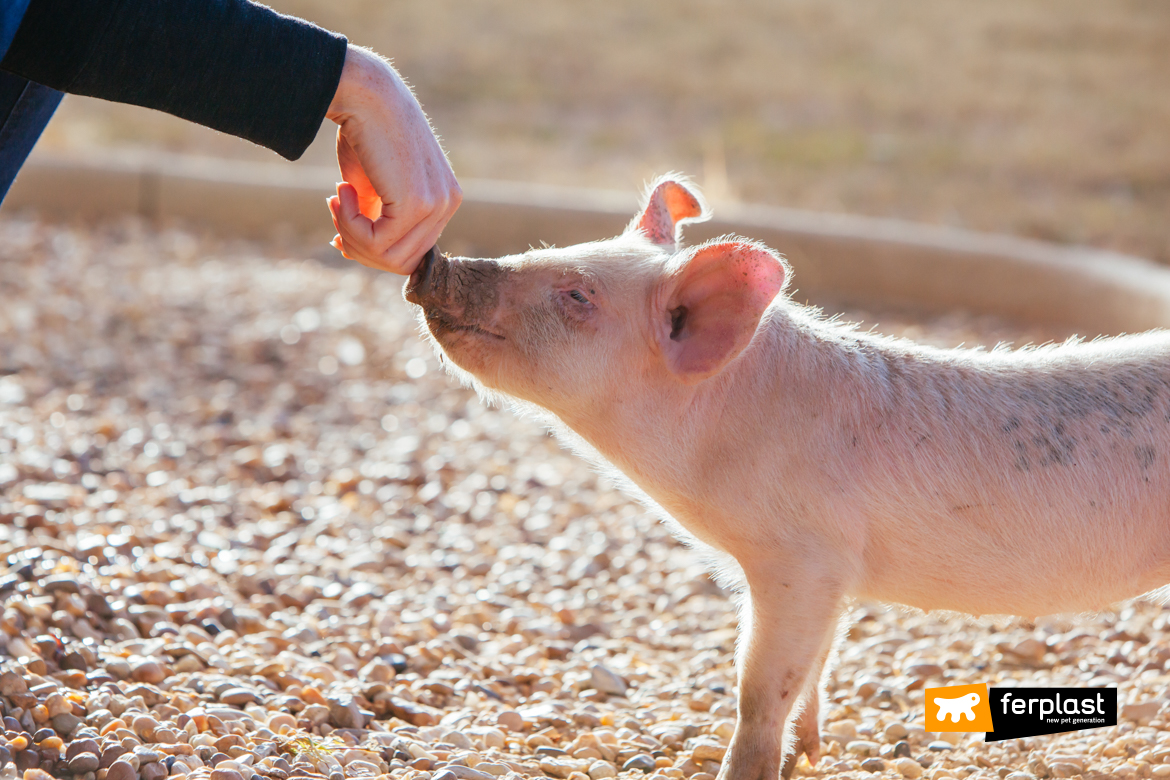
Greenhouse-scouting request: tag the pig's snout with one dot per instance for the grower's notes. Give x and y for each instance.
(456, 294)
(421, 286)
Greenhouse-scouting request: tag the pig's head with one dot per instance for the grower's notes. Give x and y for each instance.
(597, 328)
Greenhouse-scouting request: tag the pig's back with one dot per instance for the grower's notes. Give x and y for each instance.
(1045, 472)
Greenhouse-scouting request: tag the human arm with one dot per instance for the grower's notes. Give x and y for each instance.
(231, 65)
(246, 70)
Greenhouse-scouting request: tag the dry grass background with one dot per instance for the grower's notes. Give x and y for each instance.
(1041, 118)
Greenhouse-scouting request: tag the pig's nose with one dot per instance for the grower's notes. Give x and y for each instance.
(421, 283)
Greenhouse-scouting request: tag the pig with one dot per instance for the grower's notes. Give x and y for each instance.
(815, 463)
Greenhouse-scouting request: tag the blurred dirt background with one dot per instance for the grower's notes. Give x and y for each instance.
(1040, 118)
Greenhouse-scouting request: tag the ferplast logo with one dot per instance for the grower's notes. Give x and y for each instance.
(1008, 713)
(958, 708)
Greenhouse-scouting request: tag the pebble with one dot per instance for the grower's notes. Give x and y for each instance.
(895, 732)
(640, 762)
(66, 723)
(510, 720)
(121, 770)
(148, 672)
(599, 770)
(606, 680)
(239, 696)
(83, 762)
(708, 751)
(908, 767)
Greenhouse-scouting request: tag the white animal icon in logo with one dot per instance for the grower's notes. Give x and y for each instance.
(961, 705)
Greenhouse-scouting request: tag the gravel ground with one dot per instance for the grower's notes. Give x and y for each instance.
(249, 528)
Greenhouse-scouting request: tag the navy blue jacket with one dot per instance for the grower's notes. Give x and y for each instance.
(231, 65)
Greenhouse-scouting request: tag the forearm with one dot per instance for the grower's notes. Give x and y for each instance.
(229, 64)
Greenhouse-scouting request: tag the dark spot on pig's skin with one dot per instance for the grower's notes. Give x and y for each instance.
(1145, 456)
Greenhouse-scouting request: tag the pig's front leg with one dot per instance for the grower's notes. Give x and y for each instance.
(787, 629)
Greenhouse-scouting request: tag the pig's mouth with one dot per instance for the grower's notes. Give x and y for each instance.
(440, 322)
(428, 287)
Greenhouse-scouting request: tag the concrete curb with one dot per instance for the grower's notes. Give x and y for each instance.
(840, 258)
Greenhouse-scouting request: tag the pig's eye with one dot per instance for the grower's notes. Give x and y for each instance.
(678, 318)
(578, 296)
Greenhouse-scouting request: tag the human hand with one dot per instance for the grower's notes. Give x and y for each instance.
(398, 190)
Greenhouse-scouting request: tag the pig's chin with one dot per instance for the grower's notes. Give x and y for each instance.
(467, 346)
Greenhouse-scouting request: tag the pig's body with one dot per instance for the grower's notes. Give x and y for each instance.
(1023, 483)
(827, 463)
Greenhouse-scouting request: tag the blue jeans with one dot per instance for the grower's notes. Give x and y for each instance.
(25, 108)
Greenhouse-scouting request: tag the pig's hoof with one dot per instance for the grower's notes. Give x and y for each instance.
(808, 743)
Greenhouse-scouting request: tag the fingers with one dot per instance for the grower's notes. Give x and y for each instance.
(395, 241)
(399, 190)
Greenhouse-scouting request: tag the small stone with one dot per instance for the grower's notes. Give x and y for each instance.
(599, 770)
(845, 730)
(708, 751)
(12, 683)
(1141, 712)
(458, 739)
(895, 732)
(153, 771)
(1019, 776)
(939, 746)
(74, 660)
(148, 672)
(510, 720)
(61, 583)
(65, 723)
(922, 671)
(1064, 769)
(1030, 650)
(902, 749)
(231, 774)
(37, 774)
(862, 747)
(83, 762)
(467, 773)
(242, 696)
(604, 679)
(556, 767)
(873, 765)
(56, 705)
(98, 605)
(409, 711)
(145, 726)
(111, 754)
(121, 770)
(641, 762)
(908, 767)
(78, 746)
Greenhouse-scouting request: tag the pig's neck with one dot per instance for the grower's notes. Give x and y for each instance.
(707, 450)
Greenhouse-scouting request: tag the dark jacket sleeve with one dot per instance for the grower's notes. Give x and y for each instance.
(232, 65)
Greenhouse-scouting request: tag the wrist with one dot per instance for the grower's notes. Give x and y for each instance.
(361, 71)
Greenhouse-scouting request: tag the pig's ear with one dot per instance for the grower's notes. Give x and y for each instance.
(670, 204)
(714, 306)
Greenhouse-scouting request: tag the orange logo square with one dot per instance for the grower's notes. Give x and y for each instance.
(958, 708)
